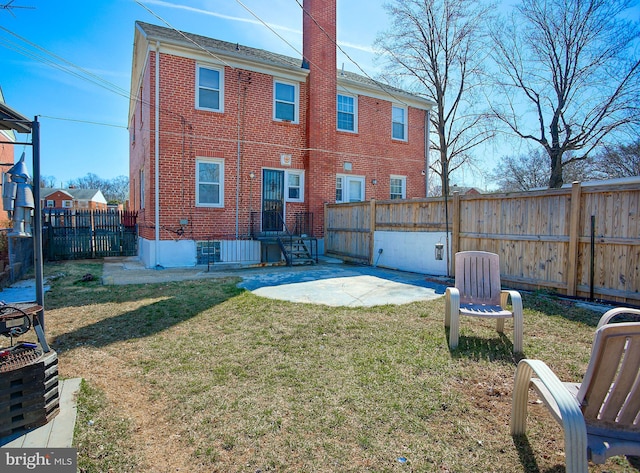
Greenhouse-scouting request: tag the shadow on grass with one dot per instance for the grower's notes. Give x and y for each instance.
(499, 348)
(567, 309)
(180, 302)
(528, 458)
(530, 465)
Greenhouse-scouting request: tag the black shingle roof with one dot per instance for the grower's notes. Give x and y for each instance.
(254, 54)
(216, 45)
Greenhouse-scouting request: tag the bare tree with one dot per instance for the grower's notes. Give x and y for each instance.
(47, 181)
(530, 171)
(115, 190)
(90, 181)
(619, 160)
(435, 49)
(569, 76)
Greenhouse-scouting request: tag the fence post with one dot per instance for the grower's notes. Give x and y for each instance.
(455, 231)
(574, 239)
(325, 229)
(372, 228)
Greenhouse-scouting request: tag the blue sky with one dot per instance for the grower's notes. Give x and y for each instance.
(83, 114)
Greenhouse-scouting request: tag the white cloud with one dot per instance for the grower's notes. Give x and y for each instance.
(251, 21)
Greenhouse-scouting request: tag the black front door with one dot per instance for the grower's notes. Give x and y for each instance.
(272, 200)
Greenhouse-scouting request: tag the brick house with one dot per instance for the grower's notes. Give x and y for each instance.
(230, 143)
(7, 138)
(72, 199)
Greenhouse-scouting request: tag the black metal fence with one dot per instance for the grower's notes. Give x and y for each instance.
(80, 234)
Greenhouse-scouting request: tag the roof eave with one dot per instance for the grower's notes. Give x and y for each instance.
(239, 58)
(13, 120)
(384, 92)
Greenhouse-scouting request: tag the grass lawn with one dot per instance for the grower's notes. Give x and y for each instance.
(200, 376)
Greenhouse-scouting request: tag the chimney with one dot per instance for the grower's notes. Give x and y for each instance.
(319, 56)
(319, 50)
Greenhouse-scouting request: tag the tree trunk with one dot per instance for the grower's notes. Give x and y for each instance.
(555, 181)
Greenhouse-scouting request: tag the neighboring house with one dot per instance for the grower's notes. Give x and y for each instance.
(7, 154)
(72, 199)
(7, 138)
(464, 190)
(228, 142)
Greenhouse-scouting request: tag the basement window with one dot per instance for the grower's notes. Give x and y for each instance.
(207, 252)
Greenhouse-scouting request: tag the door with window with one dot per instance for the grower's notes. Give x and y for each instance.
(349, 188)
(272, 200)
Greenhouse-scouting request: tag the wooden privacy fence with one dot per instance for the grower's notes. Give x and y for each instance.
(79, 234)
(580, 241)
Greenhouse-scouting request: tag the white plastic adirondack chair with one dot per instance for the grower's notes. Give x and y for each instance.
(600, 416)
(478, 293)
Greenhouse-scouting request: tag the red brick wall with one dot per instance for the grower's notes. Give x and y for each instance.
(313, 143)
(6, 162)
(319, 50)
(375, 154)
(187, 133)
(141, 151)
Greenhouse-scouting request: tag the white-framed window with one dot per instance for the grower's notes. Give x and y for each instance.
(142, 188)
(295, 185)
(51, 203)
(209, 88)
(398, 185)
(349, 188)
(209, 182)
(285, 101)
(399, 123)
(347, 107)
(67, 204)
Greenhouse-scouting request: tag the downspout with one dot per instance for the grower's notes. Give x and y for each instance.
(239, 152)
(427, 150)
(157, 156)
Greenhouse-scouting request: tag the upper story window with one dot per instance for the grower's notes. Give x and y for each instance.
(399, 123)
(285, 101)
(349, 188)
(209, 89)
(51, 203)
(209, 182)
(67, 204)
(398, 185)
(347, 113)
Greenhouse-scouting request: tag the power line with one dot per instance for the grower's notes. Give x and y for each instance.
(71, 69)
(330, 74)
(83, 121)
(269, 27)
(321, 28)
(184, 35)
